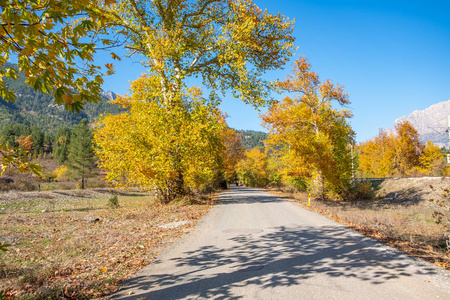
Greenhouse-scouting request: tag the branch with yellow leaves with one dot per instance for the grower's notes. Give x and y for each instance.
(18, 158)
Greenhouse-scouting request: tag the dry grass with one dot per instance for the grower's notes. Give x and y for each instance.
(70, 244)
(404, 224)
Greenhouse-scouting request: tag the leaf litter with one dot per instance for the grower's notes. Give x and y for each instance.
(63, 253)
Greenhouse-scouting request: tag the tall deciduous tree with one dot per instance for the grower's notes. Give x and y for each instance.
(408, 148)
(228, 43)
(315, 137)
(174, 150)
(253, 169)
(81, 159)
(377, 156)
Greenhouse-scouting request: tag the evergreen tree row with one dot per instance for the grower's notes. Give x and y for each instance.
(69, 146)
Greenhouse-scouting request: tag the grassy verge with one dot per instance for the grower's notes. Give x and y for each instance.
(405, 225)
(72, 244)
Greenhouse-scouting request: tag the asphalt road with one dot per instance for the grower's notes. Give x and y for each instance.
(254, 245)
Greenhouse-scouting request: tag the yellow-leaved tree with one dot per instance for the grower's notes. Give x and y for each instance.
(377, 156)
(174, 150)
(253, 169)
(431, 160)
(229, 44)
(401, 154)
(311, 136)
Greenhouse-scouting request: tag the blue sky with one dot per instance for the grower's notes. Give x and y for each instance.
(392, 57)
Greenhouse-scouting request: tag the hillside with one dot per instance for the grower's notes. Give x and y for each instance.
(34, 108)
(252, 139)
(431, 123)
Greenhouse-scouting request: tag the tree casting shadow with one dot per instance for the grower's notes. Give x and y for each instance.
(281, 256)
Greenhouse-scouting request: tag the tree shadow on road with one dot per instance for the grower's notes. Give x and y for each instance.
(244, 195)
(280, 256)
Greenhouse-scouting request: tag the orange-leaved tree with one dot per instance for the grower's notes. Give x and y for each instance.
(408, 148)
(234, 151)
(25, 143)
(314, 136)
(173, 150)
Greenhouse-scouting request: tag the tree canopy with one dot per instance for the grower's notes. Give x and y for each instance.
(229, 44)
(400, 154)
(312, 137)
(174, 150)
(54, 44)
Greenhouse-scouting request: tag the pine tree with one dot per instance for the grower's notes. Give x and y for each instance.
(62, 141)
(48, 143)
(37, 137)
(81, 159)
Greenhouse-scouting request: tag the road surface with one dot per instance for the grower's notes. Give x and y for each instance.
(254, 245)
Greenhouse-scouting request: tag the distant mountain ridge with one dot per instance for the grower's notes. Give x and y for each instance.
(431, 123)
(38, 109)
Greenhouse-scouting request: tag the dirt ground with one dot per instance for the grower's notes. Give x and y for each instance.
(73, 244)
(411, 189)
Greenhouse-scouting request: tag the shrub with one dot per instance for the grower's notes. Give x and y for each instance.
(298, 183)
(363, 190)
(62, 173)
(275, 180)
(113, 202)
(441, 213)
(48, 177)
(96, 182)
(48, 187)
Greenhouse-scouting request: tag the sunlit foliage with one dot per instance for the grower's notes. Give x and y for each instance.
(53, 42)
(253, 170)
(174, 150)
(229, 44)
(400, 154)
(234, 152)
(311, 136)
